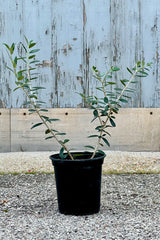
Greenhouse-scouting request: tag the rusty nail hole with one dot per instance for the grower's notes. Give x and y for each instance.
(24, 114)
(66, 113)
(151, 113)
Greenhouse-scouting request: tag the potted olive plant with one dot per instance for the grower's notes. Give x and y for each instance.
(78, 174)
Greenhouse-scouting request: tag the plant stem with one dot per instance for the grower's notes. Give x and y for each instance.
(110, 111)
(35, 107)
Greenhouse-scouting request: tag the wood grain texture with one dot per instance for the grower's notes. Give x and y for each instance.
(73, 36)
(5, 131)
(138, 129)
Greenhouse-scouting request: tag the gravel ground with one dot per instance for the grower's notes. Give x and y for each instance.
(130, 209)
(114, 162)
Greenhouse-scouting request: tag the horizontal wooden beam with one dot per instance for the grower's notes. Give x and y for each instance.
(138, 129)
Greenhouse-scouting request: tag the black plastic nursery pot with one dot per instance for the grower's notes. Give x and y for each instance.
(78, 183)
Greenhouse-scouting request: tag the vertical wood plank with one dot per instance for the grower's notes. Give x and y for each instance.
(67, 40)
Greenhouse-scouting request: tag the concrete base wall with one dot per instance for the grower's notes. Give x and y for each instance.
(138, 129)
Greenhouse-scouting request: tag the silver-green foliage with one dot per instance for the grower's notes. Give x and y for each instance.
(24, 68)
(104, 108)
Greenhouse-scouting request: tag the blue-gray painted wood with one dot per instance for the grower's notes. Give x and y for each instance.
(73, 36)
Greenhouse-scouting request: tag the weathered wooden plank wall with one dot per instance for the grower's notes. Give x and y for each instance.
(73, 36)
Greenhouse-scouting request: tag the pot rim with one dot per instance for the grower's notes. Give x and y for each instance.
(99, 158)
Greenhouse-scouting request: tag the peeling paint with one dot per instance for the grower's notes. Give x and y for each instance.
(76, 36)
(66, 48)
(84, 15)
(45, 63)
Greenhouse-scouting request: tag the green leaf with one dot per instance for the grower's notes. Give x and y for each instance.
(53, 119)
(125, 80)
(149, 64)
(123, 83)
(99, 128)
(25, 86)
(35, 61)
(104, 113)
(45, 118)
(141, 76)
(12, 48)
(100, 151)
(109, 76)
(32, 56)
(123, 100)
(33, 78)
(36, 125)
(115, 110)
(17, 83)
(88, 146)
(20, 78)
(106, 108)
(113, 102)
(31, 110)
(61, 134)
(115, 69)
(105, 99)
(47, 131)
(49, 137)
(111, 83)
(106, 141)
(38, 88)
(107, 133)
(20, 72)
(94, 69)
(130, 90)
(93, 119)
(33, 96)
(43, 110)
(65, 141)
(26, 39)
(112, 122)
(134, 81)
(6, 46)
(101, 75)
(129, 71)
(40, 102)
(15, 60)
(31, 69)
(16, 89)
(91, 136)
(32, 44)
(35, 50)
(53, 130)
(95, 113)
(118, 89)
(61, 153)
(24, 46)
(99, 88)
(138, 64)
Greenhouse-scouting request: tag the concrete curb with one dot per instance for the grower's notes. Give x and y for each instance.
(115, 162)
